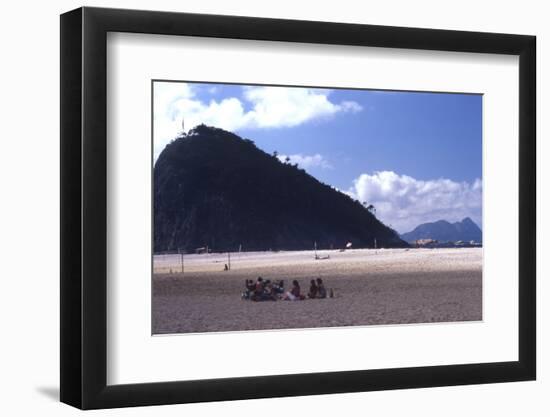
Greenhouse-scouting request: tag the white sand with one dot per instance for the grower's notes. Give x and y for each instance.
(385, 286)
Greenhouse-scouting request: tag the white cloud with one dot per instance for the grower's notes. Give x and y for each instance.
(405, 202)
(269, 107)
(351, 106)
(288, 107)
(307, 161)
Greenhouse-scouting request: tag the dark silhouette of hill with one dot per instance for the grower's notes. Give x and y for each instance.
(213, 188)
(443, 231)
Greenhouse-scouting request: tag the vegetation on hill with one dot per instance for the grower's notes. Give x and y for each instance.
(214, 189)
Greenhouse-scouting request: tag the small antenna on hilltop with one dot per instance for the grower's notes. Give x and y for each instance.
(183, 124)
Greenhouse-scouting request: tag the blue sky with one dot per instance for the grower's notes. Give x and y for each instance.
(416, 157)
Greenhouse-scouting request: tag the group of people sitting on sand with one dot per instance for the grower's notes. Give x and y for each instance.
(265, 290)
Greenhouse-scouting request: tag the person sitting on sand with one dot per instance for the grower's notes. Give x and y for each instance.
(279, 287)
(249, 289)
(294, 293)
(258, 289)
(313, 289)
(321, 290)
(250, 286)
(269, 293)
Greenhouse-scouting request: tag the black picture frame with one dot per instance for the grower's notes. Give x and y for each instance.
(84, 207)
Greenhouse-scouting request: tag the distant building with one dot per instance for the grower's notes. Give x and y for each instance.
(433, 243)
(425, 242)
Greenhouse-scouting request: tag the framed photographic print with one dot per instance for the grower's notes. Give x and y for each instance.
(258, 207)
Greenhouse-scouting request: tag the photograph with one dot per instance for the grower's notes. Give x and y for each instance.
(300, 207)
(344, 211)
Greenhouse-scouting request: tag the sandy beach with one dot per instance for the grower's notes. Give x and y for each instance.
(371, 287)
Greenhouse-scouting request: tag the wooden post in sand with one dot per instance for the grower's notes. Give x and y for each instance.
(182, 264)
(229, 260)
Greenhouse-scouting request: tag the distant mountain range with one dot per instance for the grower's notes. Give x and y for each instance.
(215, 189)
(443, 231)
